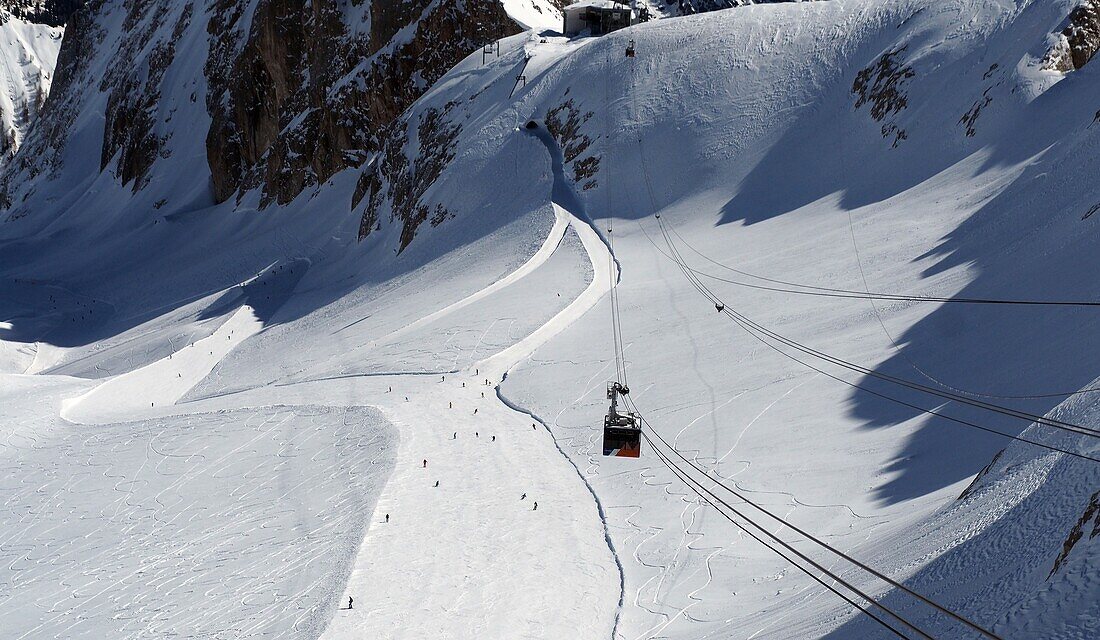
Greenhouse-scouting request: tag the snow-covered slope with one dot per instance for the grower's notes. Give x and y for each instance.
(28, 52)
(437, 305)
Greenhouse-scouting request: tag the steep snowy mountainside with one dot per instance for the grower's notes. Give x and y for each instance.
(449, 265)
(28, 52)
(973, 179)
(920, 146)
(287, 94)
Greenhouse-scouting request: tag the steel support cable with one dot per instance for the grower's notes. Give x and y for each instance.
(616, 324)
(947, 395)
(819, 542)
(851, 293)
(863, 566)
(746, 324)
(698, 488)
(890, 336)
(858, 296)
(652, 198)
(828, 292)
(688, 272)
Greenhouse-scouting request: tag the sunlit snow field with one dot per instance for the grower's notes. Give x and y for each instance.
(230, 431)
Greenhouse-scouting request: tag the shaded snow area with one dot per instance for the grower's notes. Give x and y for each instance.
(28, 53)
(222, 422)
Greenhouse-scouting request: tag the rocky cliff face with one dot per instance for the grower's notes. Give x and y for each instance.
(307, 95)
(292, 91)
(1079, 41)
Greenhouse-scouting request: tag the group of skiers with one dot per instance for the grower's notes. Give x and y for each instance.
(454, 436)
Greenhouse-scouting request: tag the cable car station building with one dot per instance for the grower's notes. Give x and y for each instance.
(596, 17)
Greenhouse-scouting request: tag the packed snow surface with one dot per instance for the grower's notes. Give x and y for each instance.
(222, 422)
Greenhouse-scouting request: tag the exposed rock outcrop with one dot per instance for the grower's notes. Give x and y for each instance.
(883, 86)
(392, 178)
(564, 122)
(1088, 523)
(307, 96)
(134, 89)
(1079, 40)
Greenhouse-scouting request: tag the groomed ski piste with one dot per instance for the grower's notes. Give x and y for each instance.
(227, 423)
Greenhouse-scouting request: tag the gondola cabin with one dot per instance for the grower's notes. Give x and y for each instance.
(622, 436)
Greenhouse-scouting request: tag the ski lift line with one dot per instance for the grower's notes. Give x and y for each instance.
(652, 198)
(779, 541)
(882, 323)
(749, 327)
(616, 316)
(851, 293)
(1076, 429)
(1040, 396)
(924, 410)
(706, 292)
(1015, 413)
(809, 536)
(714, 501)
(710, 501)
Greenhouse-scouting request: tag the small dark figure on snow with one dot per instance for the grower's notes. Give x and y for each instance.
(494, 438)
(425, 464)
(450, 405)
(437, 483)
(350, 600)
(455, 436)
(523, 497)
(536, 507)
(476, 434)
(475, 412)
(387, 517)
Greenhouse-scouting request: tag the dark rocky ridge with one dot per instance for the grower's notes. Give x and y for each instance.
(305, 98)
(1080, 39)
(296, 91)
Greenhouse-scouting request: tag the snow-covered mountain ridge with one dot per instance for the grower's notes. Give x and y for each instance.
(255, 304)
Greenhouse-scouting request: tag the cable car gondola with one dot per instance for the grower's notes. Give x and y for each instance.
(622, 437)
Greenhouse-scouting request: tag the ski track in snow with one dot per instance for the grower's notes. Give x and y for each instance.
(164, 382)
